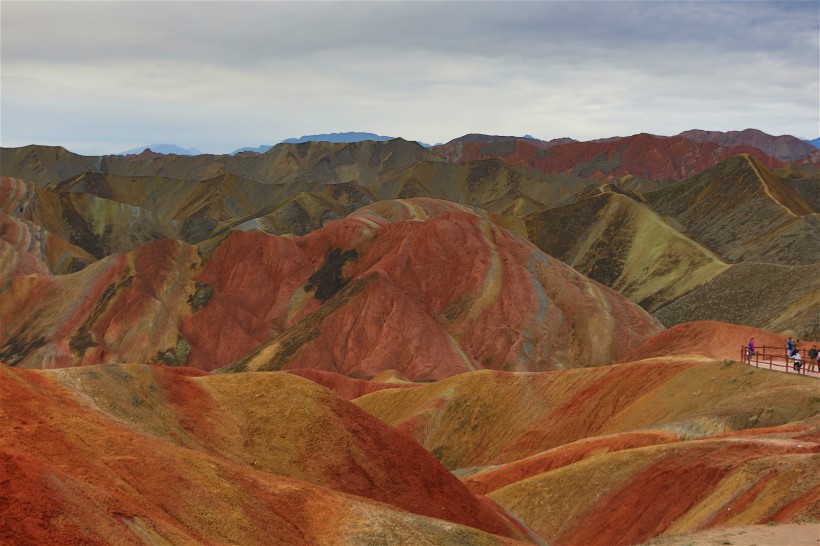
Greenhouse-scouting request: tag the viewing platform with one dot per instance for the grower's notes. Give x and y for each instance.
(775, 358)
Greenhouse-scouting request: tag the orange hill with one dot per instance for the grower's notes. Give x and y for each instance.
(621, 454)
(165, 455)
(711, 339)
(348, 388)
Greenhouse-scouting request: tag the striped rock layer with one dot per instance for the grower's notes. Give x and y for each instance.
(621, 454)
(426, 288)
(161, 455)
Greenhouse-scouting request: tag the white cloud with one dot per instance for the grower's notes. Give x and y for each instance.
(100, 77)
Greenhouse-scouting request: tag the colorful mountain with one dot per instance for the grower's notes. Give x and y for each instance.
(745, 212)
(624, 453)
(617, 239)
(643, 156)
(98, 226)
(484, 306)
(286, 303)
(784, 147)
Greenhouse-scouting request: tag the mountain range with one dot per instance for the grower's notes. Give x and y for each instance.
(497, 340)
(326, 137)
(781, 147)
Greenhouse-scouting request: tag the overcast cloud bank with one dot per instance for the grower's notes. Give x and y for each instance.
(99, 77)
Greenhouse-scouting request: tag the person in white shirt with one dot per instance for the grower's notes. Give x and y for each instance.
(798, 361)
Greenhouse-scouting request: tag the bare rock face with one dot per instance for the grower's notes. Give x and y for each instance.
(23, 235)
(434, 293)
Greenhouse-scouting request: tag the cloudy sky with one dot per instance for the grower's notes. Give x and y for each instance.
(101, 77)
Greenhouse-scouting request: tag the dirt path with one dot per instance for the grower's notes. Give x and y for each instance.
(767, 189)
(807, 534)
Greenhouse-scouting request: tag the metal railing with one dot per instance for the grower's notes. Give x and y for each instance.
(776, 358)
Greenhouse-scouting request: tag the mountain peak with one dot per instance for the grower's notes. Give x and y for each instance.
(335, 138)
(162, 149)
(350, 136)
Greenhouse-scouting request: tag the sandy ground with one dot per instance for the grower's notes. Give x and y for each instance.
(754, 535)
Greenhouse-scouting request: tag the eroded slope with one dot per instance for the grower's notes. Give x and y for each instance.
(170, 456)
(621, 454)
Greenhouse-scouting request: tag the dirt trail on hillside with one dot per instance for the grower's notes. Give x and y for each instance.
(767, 189)
(751, 535)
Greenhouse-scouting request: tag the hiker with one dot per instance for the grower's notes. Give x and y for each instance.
(798, 361)
(789, 348)
(751, 349)
(814, 359)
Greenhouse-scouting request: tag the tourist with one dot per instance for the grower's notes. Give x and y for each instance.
(751, 348)
(798, 361)
(814, 359)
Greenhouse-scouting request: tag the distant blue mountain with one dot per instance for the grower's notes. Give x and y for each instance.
(337, 137)
(163, 149)
(815, 142)
(259, 149)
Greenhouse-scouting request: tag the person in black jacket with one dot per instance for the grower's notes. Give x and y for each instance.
(814, 359)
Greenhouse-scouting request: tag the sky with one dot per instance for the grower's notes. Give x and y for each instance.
(103, 77)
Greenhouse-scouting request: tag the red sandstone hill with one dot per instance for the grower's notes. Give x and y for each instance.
(487, 418)
(711, 339)
(644, 156)
(431, 295)
(784, 147)
(498, 303)
(162, 455)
